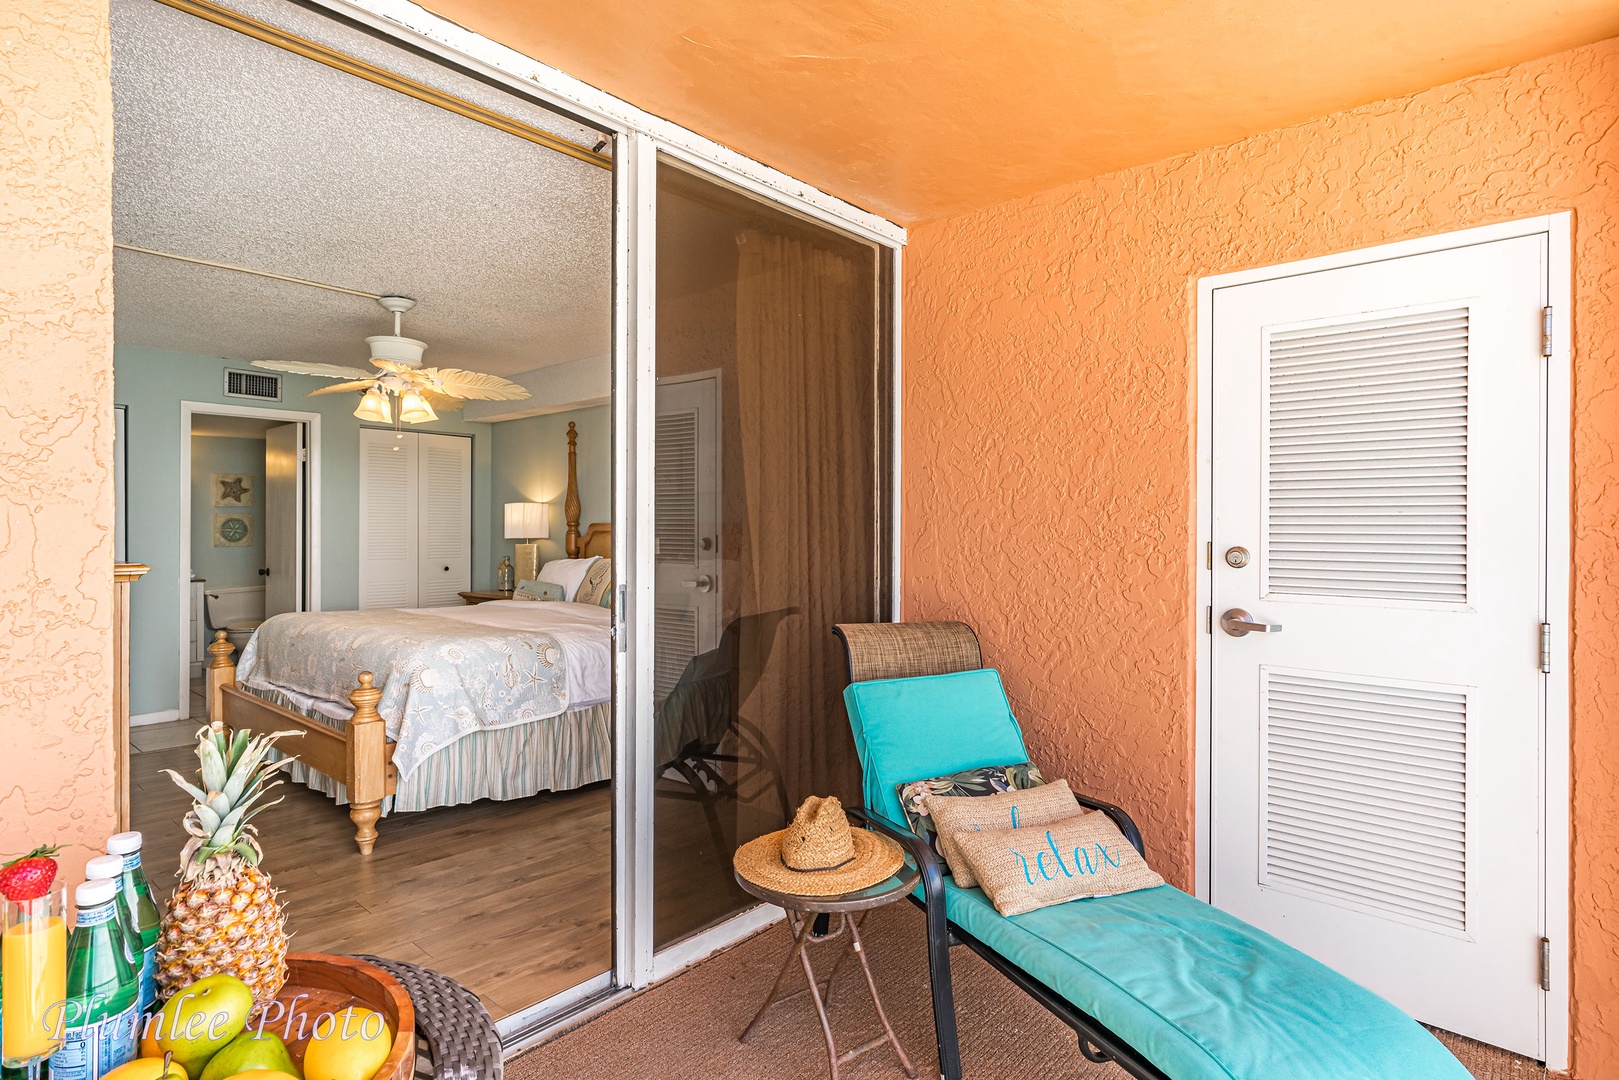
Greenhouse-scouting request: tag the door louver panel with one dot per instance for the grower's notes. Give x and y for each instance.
(676, 471)
(1366, 458)
(1365, 795)
(676, 632)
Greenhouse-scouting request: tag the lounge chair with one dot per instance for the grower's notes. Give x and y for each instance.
(1157, 981)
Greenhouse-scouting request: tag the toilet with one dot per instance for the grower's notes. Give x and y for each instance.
(238, 612)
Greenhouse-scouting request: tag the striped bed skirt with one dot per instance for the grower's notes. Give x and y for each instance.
(559, 753)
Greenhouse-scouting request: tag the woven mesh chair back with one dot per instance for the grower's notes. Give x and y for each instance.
(908, 650)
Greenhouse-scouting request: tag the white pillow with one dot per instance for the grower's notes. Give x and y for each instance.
(569, 573)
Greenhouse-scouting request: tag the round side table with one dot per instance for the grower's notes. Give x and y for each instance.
(845, 912)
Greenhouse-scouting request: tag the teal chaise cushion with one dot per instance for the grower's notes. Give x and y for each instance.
(1202, 995)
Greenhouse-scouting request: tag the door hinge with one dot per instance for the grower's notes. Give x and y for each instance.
(1208, 619)
(1546, 330)
(1208, 555)
(303, 455)
(1545, 963)
(1545, 648)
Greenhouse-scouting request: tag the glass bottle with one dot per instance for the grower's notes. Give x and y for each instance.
(505, 582)
(100, 1014)
(136, 897)
(111, 868)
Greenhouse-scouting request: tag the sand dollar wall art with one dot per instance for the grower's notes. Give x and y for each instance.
(233, 530)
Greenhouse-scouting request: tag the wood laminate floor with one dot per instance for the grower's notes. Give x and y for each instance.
(512, 899)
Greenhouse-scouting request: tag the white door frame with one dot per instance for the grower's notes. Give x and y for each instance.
(1558, 458)
(311, 420)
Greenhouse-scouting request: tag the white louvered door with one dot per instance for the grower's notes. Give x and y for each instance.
(1377, 450)
(415, 518)
(686, 618)
(388, 544)
(444, 525)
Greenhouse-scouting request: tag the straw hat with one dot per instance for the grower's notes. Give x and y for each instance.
(818, 854)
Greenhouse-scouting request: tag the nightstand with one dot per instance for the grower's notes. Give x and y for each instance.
(478, 596)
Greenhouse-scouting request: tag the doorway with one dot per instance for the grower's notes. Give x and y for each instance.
(1382, 713)
(249, 536)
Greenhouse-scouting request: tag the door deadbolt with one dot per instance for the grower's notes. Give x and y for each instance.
(1237, 557)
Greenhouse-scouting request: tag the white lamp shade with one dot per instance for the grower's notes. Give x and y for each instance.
(375, 406)
(528, 521)
(414, 409)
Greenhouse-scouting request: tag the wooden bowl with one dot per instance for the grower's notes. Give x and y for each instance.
(320, 983)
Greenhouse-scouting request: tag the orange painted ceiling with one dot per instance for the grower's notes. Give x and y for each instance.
(917, 109)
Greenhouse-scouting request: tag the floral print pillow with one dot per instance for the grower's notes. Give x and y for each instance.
(989, 780)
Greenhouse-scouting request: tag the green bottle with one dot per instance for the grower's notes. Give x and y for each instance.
(111, 868)
(136, 898)
(101, 1017)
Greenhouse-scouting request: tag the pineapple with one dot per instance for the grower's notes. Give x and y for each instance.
(224, 916)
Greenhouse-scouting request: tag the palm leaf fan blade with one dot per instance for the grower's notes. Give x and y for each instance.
(344, 387)
(443, 403)
(474, 385)
(310, 367)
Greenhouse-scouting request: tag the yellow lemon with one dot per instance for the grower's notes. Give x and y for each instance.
(146, 1068)
(348, 1045)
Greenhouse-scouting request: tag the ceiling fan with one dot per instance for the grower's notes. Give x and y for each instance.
(401, 390)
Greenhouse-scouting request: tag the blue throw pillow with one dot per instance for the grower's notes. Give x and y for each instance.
(537, 590)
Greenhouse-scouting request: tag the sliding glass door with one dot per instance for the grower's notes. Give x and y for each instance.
(771, 470)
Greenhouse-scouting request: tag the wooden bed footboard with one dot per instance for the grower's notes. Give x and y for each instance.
(360, 755)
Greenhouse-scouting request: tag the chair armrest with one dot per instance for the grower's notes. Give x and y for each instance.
(926, 861)
(1126, 824)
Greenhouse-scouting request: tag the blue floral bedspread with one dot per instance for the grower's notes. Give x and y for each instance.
(441, 678)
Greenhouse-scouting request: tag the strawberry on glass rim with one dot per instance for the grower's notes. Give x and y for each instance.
(29, 877)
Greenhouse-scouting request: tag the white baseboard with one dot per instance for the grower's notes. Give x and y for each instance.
(162, 716)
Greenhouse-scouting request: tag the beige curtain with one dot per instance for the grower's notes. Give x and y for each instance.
(805, 383)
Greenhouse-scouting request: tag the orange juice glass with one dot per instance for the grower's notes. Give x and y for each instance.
(33, 979)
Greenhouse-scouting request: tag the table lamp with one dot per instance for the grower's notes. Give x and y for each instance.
(527, 521)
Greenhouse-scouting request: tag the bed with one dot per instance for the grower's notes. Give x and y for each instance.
(412, 709)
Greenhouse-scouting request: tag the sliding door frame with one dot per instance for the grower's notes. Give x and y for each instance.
(640, 138)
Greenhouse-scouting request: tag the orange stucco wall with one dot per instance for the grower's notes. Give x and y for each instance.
(1049, 426)
(56, 498)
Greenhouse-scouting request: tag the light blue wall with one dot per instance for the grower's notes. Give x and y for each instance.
(152, 383)
(226, 567)
(531, 465)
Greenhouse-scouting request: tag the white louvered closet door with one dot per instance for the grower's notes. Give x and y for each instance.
(689, 580)
(444, 528)
(1377, 449)
(388, 519)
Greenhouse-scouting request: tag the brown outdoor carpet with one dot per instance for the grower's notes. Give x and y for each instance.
(686, 1028)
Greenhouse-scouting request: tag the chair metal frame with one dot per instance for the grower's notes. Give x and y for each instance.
(1096, 1042)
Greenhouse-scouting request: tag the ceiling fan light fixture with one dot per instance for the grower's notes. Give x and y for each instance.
(414, 409)
(401, 350)
(375, 406)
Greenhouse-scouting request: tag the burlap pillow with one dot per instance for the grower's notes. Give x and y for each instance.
(1043, 805)
(1024, 869)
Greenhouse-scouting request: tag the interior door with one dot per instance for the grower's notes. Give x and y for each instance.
(284, 519)
(444, 521)
(687, 514)
(388, 542)
(1378, 564)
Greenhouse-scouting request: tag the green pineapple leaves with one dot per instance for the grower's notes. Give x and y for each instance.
(236, 774)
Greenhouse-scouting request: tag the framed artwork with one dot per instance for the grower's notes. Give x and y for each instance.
(232, 489)
(233, 530)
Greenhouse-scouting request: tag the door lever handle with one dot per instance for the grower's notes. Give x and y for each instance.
(704, 583)
(1238, 623)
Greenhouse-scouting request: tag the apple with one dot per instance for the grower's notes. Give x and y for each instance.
(251, 1050)
(264, 1074)
(198, 1022)
(147, 1068)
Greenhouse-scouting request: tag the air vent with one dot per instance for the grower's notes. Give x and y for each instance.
(258, 385)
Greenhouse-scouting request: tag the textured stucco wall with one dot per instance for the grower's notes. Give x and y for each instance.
(1049, 406)
(55, 427)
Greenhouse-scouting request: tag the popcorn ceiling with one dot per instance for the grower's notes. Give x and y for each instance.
(230, 149)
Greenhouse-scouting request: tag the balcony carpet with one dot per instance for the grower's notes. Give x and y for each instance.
(686, 1029)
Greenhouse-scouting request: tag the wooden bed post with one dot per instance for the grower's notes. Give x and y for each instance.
(570, 506)
(367, 764)
(221, 673)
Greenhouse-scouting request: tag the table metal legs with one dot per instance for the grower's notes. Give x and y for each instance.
(802, 925)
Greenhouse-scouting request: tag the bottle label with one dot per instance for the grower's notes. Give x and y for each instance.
(97, 915)
(98, 1047)
(132, 861)
(147, 1000)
